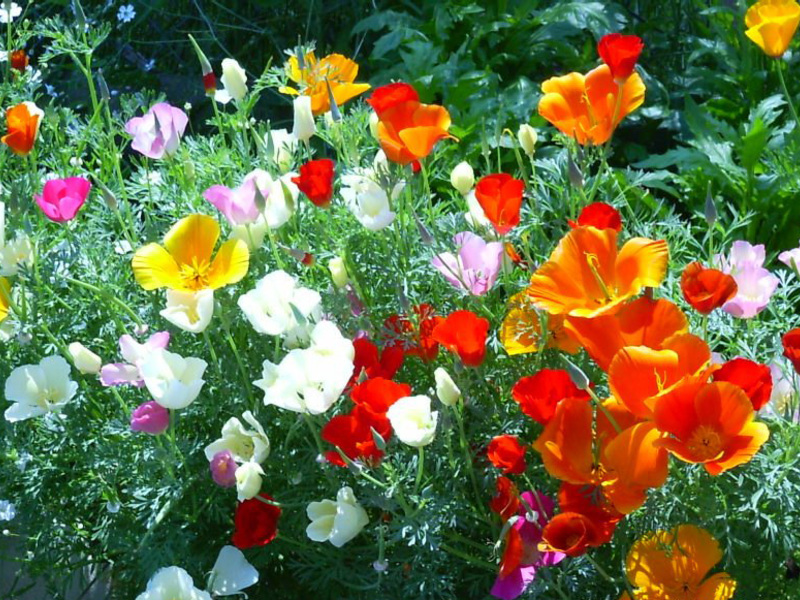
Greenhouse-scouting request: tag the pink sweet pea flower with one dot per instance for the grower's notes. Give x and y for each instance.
(238, 205)
(61, 199)
(159, 131)
(475, 268)
(133, 352)
(745, 264)
(529, 527)
(151, 418)
(223, 468)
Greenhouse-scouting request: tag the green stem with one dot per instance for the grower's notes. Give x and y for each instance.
(240, 364)
(788, 96)
(420, 469)
(107, 295)
(470, 559)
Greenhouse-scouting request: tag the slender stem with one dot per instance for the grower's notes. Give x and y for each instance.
(470, 559)
(420, 469)
(599, 569)
(240, 364)
(792, 109)
(604, 410)
(108, 295)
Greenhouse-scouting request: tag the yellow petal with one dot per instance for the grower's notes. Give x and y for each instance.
(155, 268)
(5, 295)
(230, 264)
(288, 90)
(192, 239)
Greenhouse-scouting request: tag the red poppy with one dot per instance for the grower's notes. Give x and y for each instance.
(19, 60)
(791, 347)
(316, 181)
(591, 502)
(368, 363)
(506, 502)
(706, 289)
(620, 53)
(378, 394)
(539, 394)
(388, 96)
(754, 379)
(599, 215)
(505, 452)
(255, 522)
(500, 197)
(464, 333)
(352, 433)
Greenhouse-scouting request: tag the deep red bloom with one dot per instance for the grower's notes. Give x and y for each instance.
(791, 347)
(620, 53)
(378, 394)
(210, 83)
(500, 197)
(505, 452)
(416, 166)
(19, 60)
(421, 343)
(506, 502)
(754, 379)
(570, 533)
(316, 181)
(706, 289)
(387, 96)
(464, 333)
(599, 215)
(369, 363)
(255, 523)
(539, 394)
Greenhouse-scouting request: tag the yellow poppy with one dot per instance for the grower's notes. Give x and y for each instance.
(185, 261)
(339, 71)
(771, 24)
(521, 330)
(5, 294)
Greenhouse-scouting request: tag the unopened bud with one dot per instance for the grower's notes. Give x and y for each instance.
(101, 83)
(380, 443)
(426, 236)
(108, 196)
(188, 170)
(710, 208)
(574, 174)
(336, 116)
(80, 16)
(527, 138)
(261, 202)
(338, 271)
(86, 361)
(577, 376)
(373, 124)
(462, 177)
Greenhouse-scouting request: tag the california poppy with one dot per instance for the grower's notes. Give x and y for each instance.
(570, 533)
(587, 275)
(754, 379)
(791, 347)
(505, 452)
(185, 261)
(706, 289)
(500, 197)
(600, 215)
(255, 522)
(316, 181)
(771, 24)
(620, 52)
(521, 333)
(590, 501)
(19, 60)
(464, 333)
(22, 122)
(711, 424)
(539, 394)
(313, 79)
(415, 337)
(369, 362)
(353, 434)
(585, 107)
(506, 501)
(378, 394)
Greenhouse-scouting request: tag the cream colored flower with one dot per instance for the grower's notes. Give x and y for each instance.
(38, 389)
(337, 521)
(86, 361)
(189, 311)
(412, 420)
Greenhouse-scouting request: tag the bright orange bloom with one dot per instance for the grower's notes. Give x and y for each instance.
(407, 129)
(587, 276)
(642, 322)
(674, 564)
(506, 502)
(5, 297)
(335, 70)
(185, 260)
(772, 24)
(500, 197)
(505, 452)
(754, 379)
(706, 289)
(22, 122)
(638, 376)
(422, 342)
(585, 106)
(539, 394)
(521, 331)
(600, 215)
(711, 424)
(791, 347)
(464, 333)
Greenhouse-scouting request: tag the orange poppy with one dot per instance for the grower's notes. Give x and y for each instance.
(521, 333)
(539, 394)
(706, 289)
(587, 275)
(500, 197)
(464, 333)
(590, 501)
(506, 501)
(642, 322)
(711, 424)
(334, 70)
(570, 533)
(585, 107)
(505, 452)
(407, 129)
(791, 347)
(22, 122)
(754, 379)
(600, 215)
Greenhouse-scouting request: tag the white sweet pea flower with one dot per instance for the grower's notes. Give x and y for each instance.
(86, 361)
(172, 583)
(14, 254)
(38, 389)
(232, 573)
(284, 145)
(274, 305)
(462, 177)
(245, 445)
(172, 380)
(338, 521)
(304, 127)
(413, 421)
(189, 311)
(446, 389)
(234, 80)
(248, 480)
(368, 201)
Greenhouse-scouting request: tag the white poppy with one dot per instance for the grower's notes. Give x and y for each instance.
(527, 138)
(172, 583)
(368, 201)
(446, 389)
(38, 389)
(172, 380)
(243, 444)
(304, 127)
(14, 254)
(475, 217)
(338, 271)
(86, 361)
(232, 573)
(284, 145)
(338, 521)
(248, 480)
(189, 311)
(413, 421)
(234, 80)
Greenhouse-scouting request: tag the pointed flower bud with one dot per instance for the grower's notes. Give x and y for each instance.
(336, 116)
(527, 138)
(462, 177)
(101, 83)
(577, 376)
(209, 79)
(574, 174)
(710, 208)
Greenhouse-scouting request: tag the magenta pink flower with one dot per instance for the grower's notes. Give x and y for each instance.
(745, 264)
(61, 199)
(133, 352)
(476, 266)
(239, 204)
(150, 417)
(159, 131)
(223, 469)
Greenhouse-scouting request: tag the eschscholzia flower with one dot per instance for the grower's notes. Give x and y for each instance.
(791, 347)
(86, 361)
(416, 338)
(172, 583)
(22, 123)
(781, 401)
(316, 181)
(745, 264)
(462, 177)
(407, 129)
(464, 333)
(527, 138)
(586, 107)
(172, 380)
(283, 146)
(9, 11)
(599, 215)
(771, 24)
(571, 534)
(476, 266)
(539, 394)
(133, 352)
(706, 289)
(19, 60)
(245, 445)
(159, 131)
(475, 216)
(367, 200)
(620, 52)
(36, 390)
(61, 199)
(189, 311)
(369, 363)
(500, 197)
(521, 331)
(150, 417)
(14, 254)
(505, 502)
(304, 127)
(234, 80)
(754, 379)
(316, 76)
(711, 424)
(413, 421)
(223, 469)
(239, 204)
(5, 297)
(506, 453)
(336, 521)
(678, 559)
(587, 276)
(185, 261)
(338, 271)
(255, 522)
(231, 573)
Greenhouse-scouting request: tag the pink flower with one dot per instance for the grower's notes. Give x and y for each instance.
(756, 285)
(787, 256)
(159, 131)
(238, 205)
(475, 268)
(61, 199)
(223, 469)
(133, 352)
(150, 417)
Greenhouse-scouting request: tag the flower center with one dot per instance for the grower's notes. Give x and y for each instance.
(705, 443)
(195, 275)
